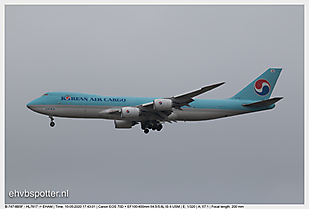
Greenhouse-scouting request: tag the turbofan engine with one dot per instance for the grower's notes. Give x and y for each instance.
(123, 124)
(130, 112)
(162, 104)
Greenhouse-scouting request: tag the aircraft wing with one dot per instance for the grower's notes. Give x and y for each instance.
(159, 108)
(111, 111)
(198, 92)
(185, 99)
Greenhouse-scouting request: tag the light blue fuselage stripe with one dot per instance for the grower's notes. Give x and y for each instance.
(72, 98)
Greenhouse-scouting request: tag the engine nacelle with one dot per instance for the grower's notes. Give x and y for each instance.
(130, 112)
(123, 124)
(162, 104)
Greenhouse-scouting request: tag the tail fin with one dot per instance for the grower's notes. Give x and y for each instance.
(261, 88)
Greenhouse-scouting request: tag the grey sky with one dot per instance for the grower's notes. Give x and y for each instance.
(154, 51)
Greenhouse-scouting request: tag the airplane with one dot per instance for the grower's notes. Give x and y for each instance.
(151, 112)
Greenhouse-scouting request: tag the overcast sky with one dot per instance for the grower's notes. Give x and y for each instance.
(158, 51)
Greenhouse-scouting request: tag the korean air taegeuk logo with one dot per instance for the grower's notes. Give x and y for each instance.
(262, 87)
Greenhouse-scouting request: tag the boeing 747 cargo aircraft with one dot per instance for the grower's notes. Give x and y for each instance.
(151, 113)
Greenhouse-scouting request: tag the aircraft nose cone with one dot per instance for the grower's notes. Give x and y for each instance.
(29, 105)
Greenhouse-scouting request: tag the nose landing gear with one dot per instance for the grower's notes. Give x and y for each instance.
(52, 123)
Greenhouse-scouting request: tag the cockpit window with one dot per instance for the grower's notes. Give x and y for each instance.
(45, 94)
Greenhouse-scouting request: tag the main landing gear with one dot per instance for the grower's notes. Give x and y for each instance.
(52, 123)
(154, 125)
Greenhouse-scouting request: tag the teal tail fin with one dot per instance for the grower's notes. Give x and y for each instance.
(261, 88)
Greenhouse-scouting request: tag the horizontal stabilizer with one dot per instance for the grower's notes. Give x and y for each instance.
(263, 103)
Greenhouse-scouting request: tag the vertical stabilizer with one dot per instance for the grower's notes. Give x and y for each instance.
(261, 88)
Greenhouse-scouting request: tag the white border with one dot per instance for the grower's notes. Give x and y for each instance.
(147, 2)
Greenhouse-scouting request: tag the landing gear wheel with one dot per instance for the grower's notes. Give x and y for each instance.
(52, 123)
(146, 130)
(159, 127)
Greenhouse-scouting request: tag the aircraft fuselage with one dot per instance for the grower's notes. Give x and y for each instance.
(81, 105)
